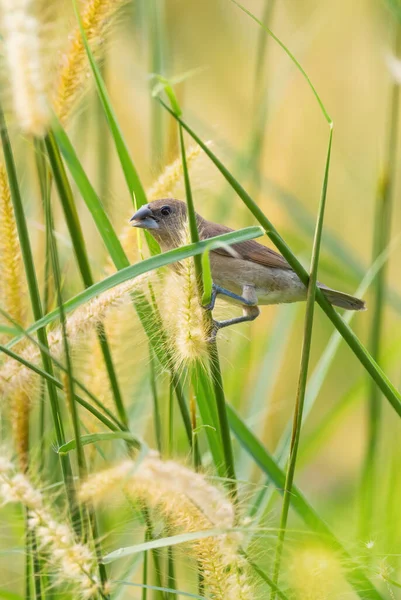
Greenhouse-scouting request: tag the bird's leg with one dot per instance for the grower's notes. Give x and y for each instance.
(250, 309)
(248, 296)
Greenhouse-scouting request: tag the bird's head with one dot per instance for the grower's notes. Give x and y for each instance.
(165, 219)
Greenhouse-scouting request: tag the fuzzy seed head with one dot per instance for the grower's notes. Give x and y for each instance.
(12, 300)
(14, 376)
(182, 312)
(22, 31)
(188, 503)
(74, 562)
(73, 69)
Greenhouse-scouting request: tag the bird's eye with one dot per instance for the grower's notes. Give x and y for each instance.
(165, 210)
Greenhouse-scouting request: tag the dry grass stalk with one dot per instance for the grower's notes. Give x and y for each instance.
(188, 503)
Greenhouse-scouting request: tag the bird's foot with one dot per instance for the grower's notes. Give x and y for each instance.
(248, 298)
(250, 314)
(213, 331)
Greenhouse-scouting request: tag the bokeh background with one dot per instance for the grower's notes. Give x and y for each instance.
(266, 125)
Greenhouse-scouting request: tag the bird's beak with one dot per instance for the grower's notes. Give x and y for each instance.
(144, 218)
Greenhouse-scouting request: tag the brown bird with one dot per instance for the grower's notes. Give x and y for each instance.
(247, 273)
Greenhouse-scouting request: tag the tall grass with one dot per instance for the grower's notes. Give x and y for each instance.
(170, 488)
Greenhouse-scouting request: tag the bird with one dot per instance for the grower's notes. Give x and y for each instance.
(246, 273)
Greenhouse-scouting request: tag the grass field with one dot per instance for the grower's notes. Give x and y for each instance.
(141, 457)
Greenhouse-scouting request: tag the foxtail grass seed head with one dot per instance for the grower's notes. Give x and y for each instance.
(12, 300)
(12, 278)
(185, 325)
(15, 377)
(74, 563)
(72, 75)
(187, 503)
(22, 42)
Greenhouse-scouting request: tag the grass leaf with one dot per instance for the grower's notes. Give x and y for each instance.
(140, 268)
(93, 438)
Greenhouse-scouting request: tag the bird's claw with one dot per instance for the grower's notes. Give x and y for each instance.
(213, 331)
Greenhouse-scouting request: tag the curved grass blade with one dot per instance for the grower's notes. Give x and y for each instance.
(27, 256)
(303, 374)
(103, 223)
(266, 462)
(56, 383)
(214, 361)
(140, 268)
(374, 370)
(291, 56)
(75, 230)
(94, 438)
(173, 540)
(59, 365)
(132, 178)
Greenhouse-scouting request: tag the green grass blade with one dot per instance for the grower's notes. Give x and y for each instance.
(142, 267)
(36, 304)
(377, 374)
(94, 438)
(381, 236)
(75, 230)
(60, 366)
(69, 208)
(173, 540)
(257, 406)
(156, 402)
(69, 393)
(207, 408)
(207, 281)
(303, 374)
(290, 55)
(56, 383)
(214, 360)
(130, 173)
(266, 462)
(8, 330)
(103, 223)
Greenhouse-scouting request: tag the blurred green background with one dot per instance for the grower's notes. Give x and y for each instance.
(266, 125)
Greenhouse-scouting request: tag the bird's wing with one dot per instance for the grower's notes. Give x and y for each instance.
(249, 250)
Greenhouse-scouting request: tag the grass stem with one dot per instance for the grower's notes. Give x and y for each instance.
(33, 287)
(381, 238)
(303, 374)
(74, 226)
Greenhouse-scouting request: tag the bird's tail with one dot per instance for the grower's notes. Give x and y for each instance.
(342, 300)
